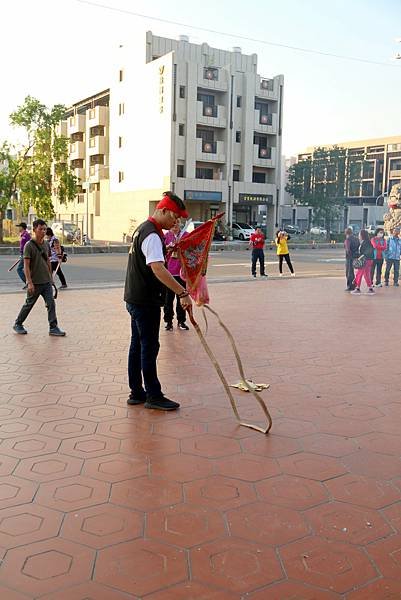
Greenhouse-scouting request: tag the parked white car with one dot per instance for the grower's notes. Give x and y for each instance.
(242, 231)
(318, 231)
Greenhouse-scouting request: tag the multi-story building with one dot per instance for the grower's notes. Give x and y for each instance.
(373, 167)
(186, 117)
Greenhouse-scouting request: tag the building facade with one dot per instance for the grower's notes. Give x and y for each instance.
(373, 167)
(186, 117)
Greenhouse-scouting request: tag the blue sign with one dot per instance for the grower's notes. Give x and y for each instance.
(203, 196)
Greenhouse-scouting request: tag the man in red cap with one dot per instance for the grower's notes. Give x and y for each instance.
(144, 295)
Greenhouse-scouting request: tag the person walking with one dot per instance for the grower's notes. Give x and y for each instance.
(281, 240)
(379, 247)
(393, 257)
(365, 256)
(174, 267)
(24, 236)
(38, 275)
(351, 246)
(56, 254)
(257, 243)
(144, 294)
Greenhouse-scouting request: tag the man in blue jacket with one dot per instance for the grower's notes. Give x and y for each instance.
(393, 256)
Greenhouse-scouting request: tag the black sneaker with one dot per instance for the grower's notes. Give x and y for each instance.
(162, 403)
(183, 326)
(169, 327)
(63, 287)
(56, 331)
(396, 285)
(386, 284)
(264, 275)
(25, 287)
(253, 274)
(134, 399)
(19, 329)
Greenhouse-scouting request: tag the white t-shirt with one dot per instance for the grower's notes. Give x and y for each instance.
(152, 248)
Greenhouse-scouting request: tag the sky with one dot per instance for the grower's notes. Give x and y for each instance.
(61, 51)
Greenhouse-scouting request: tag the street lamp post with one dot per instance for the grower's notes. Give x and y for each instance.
(87, 184)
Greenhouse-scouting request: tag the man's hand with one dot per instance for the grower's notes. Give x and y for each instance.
(186, 302)
(31, 288)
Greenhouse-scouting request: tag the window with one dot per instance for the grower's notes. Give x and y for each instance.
(238, 137)
(206, 98)
(260, 140)
(92, 113)
(395, 164)
(180, 171)
(121, 108)
(120, 176)
(205, 134)
(258, 177)
(204, 173)
(98, 130)
(266, 84)
(211, 73)
(181, 129)
(239, 101)
(368, 170)
(367, 188)
(355, 188)
(182, 91)
(120, 75)
(236, 175)
(120, 141)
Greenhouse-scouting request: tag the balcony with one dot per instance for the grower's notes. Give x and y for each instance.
(79, 173)
(266, 88)
(76, 124)
(212, 115)
(264, 157)
(395, 173)
(265, 123)
(77, 150)
(210, 151)
(97, 145)
(212, 78)
(98, 172)
(99, 115)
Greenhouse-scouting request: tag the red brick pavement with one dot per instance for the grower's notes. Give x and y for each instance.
(102, 501)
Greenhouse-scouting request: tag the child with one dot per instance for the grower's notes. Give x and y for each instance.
(282, 251)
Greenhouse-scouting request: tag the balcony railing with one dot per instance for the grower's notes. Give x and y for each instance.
(209, 110)
(266, 119)
(265, 152)
(209, 147)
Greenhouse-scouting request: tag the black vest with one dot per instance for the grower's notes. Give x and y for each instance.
(141, 285)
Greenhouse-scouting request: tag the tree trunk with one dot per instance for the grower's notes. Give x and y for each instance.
(2, 215)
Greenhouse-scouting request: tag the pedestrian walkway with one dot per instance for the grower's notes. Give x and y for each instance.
(102, 501)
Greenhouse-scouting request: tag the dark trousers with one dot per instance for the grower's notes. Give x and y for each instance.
(59, 272)
(20, 270)
(377, 266)
(349, 273)
(46, 291)
(169, 304)
(392, 263)
(143, 351)
(281, 257)
(258, 255)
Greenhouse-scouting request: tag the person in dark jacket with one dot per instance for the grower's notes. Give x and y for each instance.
(366, 253)
(145, 290)
(379, 248)
(351, 245)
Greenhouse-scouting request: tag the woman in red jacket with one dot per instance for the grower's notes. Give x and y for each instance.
(379, 246)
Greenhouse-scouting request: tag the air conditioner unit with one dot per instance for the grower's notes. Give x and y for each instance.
(208, 111)
(264, 119)
(207, 147)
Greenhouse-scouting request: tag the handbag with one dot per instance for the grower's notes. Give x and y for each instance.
(359, 262)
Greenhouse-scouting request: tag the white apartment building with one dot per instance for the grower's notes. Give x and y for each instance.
(196, 120)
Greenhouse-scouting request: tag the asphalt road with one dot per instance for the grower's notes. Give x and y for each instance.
(108, 270)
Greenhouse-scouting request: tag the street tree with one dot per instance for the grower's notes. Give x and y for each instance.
(320, 181)
(9, 169)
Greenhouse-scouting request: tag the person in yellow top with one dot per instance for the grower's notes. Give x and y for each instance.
(282, 252)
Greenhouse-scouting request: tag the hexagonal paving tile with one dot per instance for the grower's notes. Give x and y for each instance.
(292, 591)
(83, 399)
(363, 491)
(116, 467)
(26, 524)
(53, 412)
(107, 388)
(328, 565)
(48, 467)
(347, 523)
(28, 445)
(351, 410)
(127, 566)
(7, 465)
(180, 467)
(68, 429)
(8, 411)
(73, 493)
(393, 515)
(384, 589)
(312, 466)
(267, 524)
(248, 467)
(191, 590)
(180, 428)
(145, 493)
(385, 443)
(65, 388)
(293, 428)
(387, 556)
(272, 447)
(87, 591)
(13, 427)
(101, 413)
(46, 566)
(298, 493)
(102, 525)
(329, 445)
(34, 399)
(210, 446)
(90, 446)
(15, 491)
(373, 464)
(235, 565)
(124, 428)
(185, 525)
(8, 594)
(219, 492)
(150, 444)
(347, 427)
